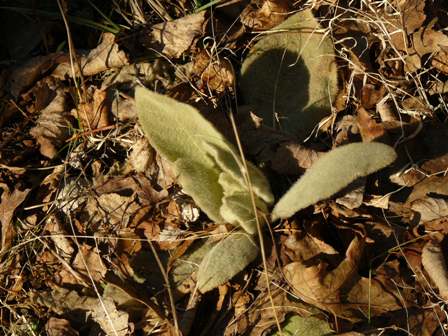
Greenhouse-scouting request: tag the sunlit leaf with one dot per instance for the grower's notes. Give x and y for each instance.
(237, 209)
(230, 162)
(331, 173)
(208, 166)
(227, 258)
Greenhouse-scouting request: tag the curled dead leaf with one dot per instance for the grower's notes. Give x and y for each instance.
(173, 38)
(318, 286)
(433, 260)
(53, 126)
(265, 14)
(105, 56)
(8, 205)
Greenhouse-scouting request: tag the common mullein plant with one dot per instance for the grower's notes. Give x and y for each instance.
(210, 168)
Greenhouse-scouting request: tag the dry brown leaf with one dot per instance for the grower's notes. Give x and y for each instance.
(433, 261)
(53, 126)
(439, 61)
(427, 41)
(89, 263)
(112, 209)
(374, 295)
(430, 208)
(354, 197)
(142, 156)
(103, 310)
(96, 112)
(368, 127)
(218, 76)
(291, 158)
(59, 327)
(63, 245)
(28, 73)
(265, 14)
(8, 205)
(371, 95)
(433, 184)
(318, 286)
(105, 56)
(111, 320)
(123, 108)
(173, 38)
(412, 14)
(305, 247)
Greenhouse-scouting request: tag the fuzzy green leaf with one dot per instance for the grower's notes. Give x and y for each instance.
(305, 326)
(201, 183)
(227, 258)
(230, 163)
(331, 173)
(208, 166)
(237, 209)
(176, 130)
(290, 77)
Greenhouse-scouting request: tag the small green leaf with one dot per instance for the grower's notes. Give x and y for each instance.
(290, 77)
(331, 173)
(305, 326)
(227, 258)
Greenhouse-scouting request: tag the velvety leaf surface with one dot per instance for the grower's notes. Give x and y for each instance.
(331, 173)
(227, 258)
(290, 76)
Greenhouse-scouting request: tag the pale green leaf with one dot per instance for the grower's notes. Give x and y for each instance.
(184, 266)
(290, 77)
(201, 183)
(237, 209)
(227, 258)
(207, 164)
(305, 326)
(331, 173)
(228, 160)
(176, 130)
(229, 184)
